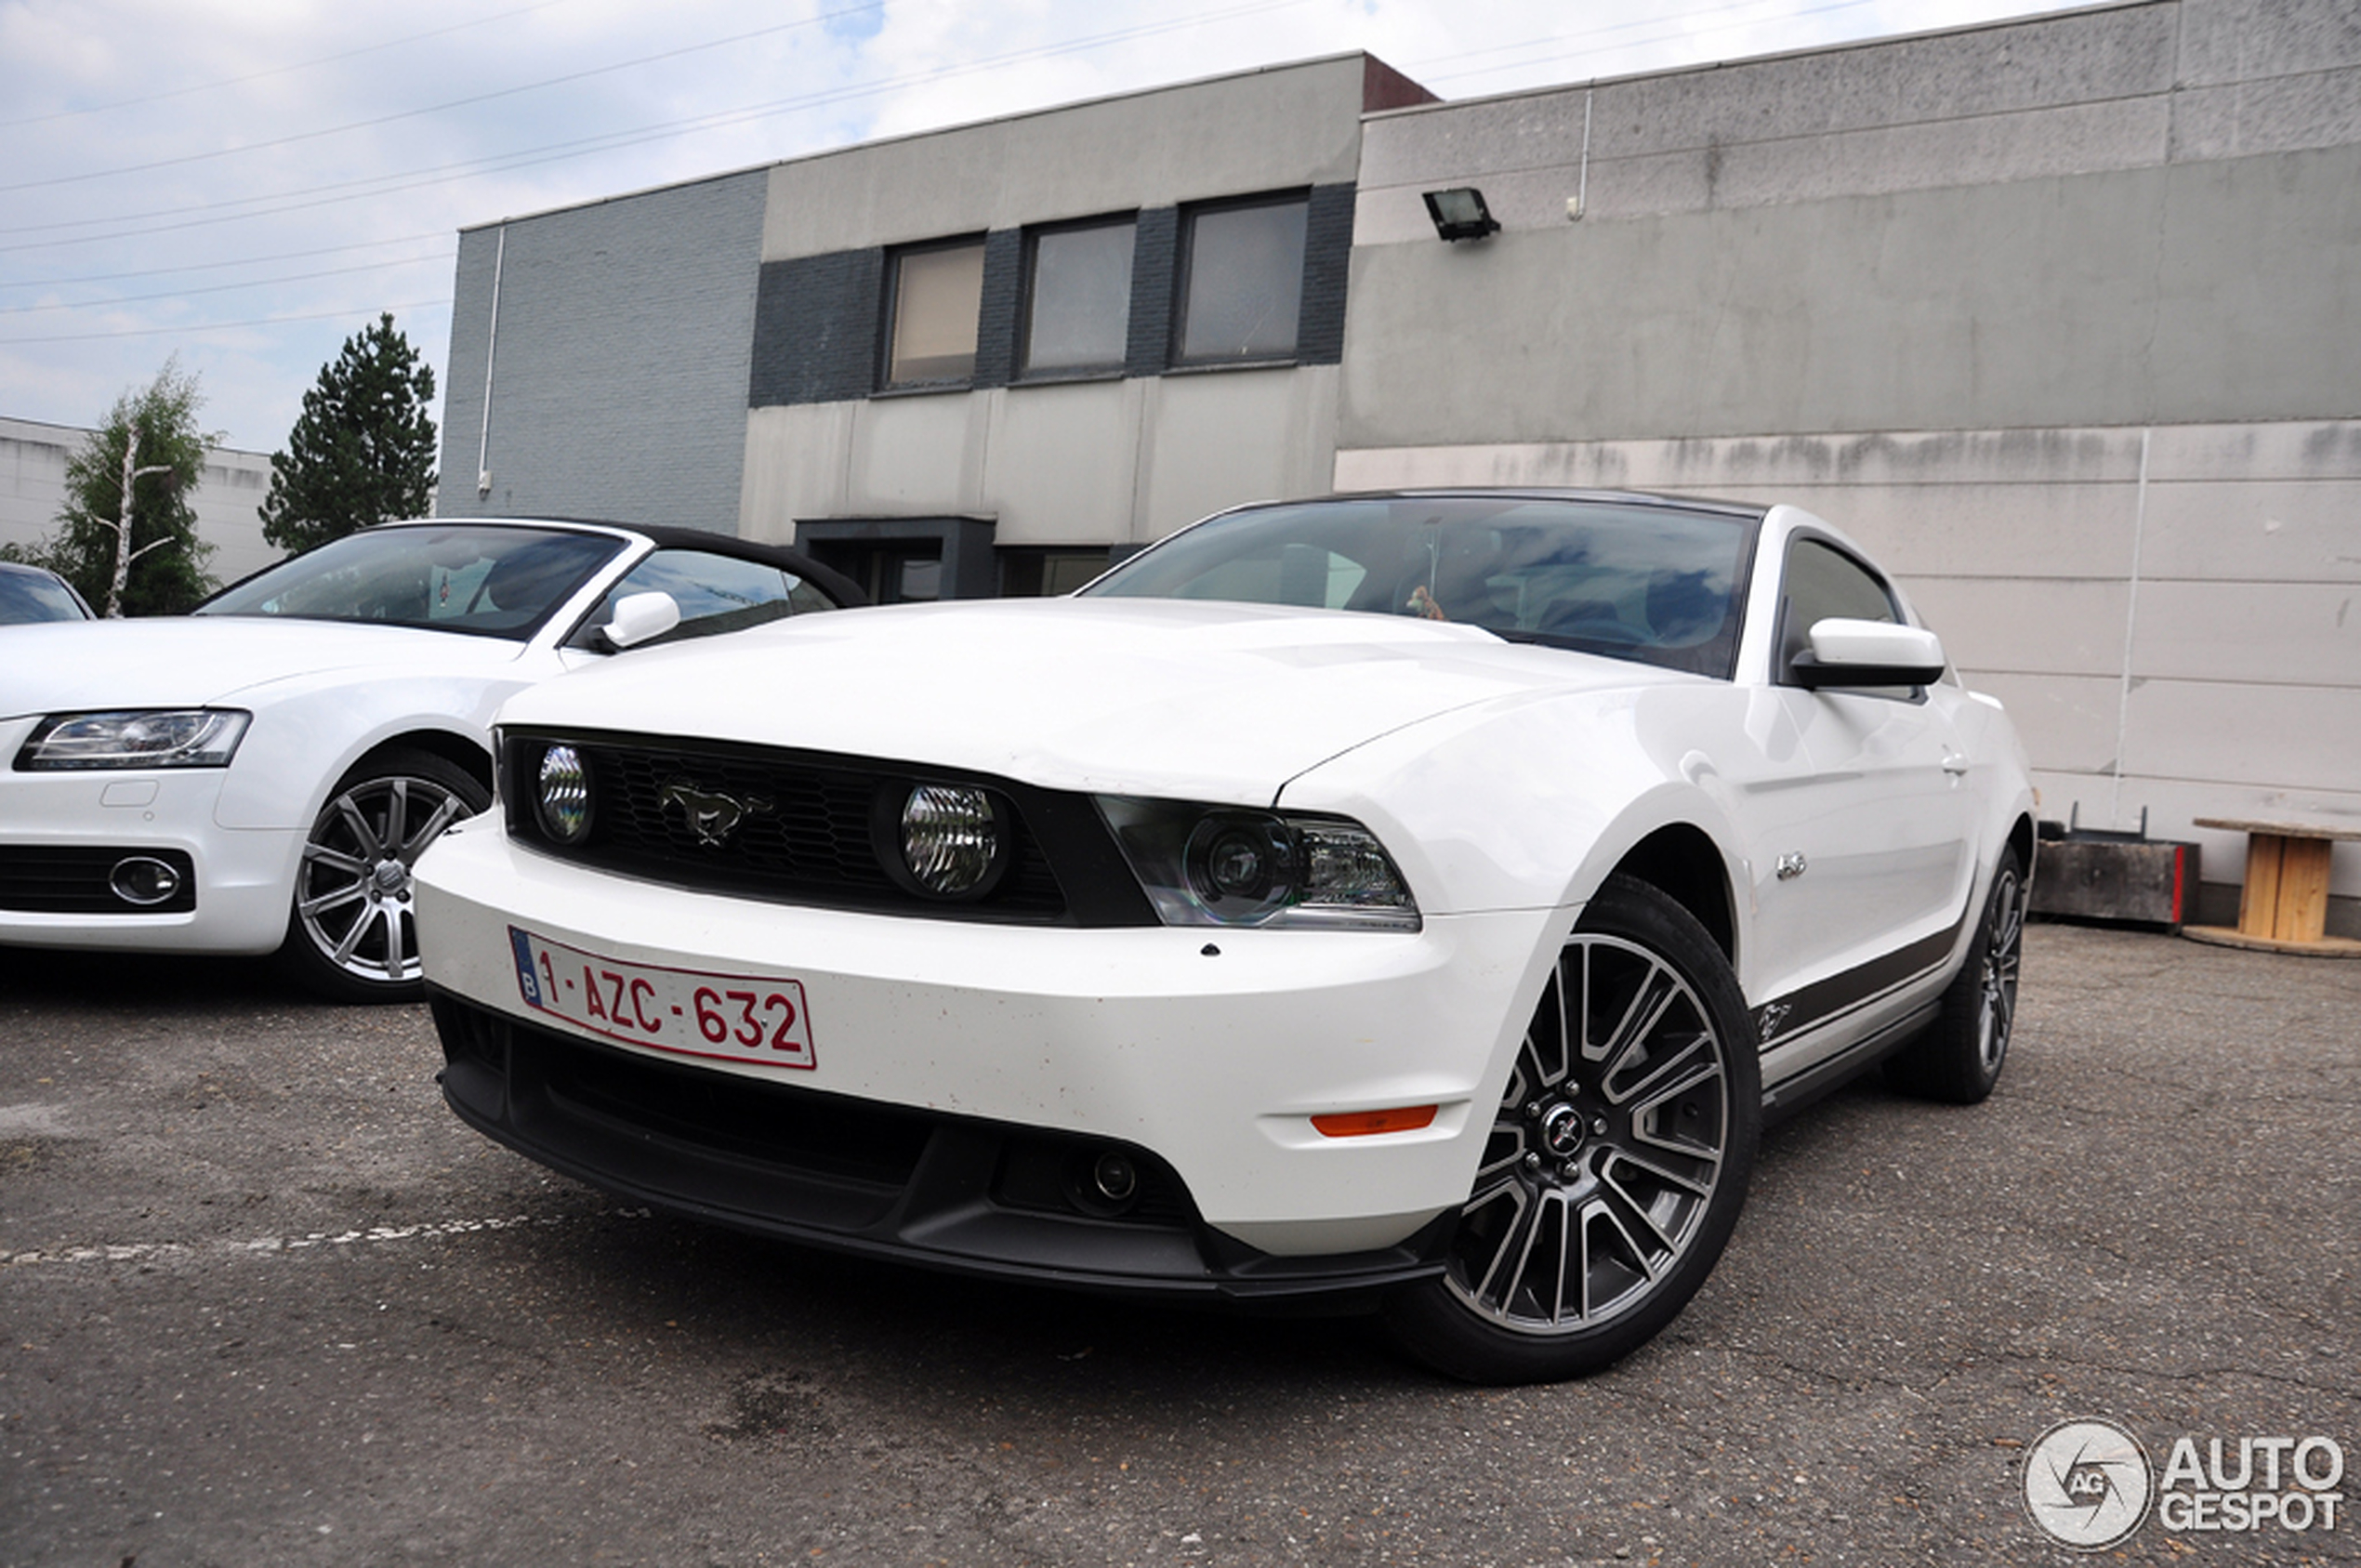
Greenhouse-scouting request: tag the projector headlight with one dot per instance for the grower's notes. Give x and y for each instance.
(1211, 865)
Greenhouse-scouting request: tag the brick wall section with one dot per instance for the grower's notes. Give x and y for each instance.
(1327, 262)
(816, 321)
(620, 368)
(1155, 249)
(1002, 311)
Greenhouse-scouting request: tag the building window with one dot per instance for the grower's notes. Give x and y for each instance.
(1027, 573)
(1242, 286)
(1077, 298)
(935, 297)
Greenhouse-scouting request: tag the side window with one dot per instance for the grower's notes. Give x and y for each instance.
(1242, 289)
(934, 300)
(717, 593)
(1077, 298)
(1823, 581)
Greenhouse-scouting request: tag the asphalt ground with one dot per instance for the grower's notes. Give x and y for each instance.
(264, 1301)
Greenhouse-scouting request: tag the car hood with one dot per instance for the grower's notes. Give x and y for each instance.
(170, 661)
(1219, 702)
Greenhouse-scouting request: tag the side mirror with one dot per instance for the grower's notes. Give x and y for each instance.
(1846, 652)
(640, 617)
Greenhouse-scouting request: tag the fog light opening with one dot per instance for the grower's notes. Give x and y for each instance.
(1104, 1184)
(143, 880)
(1115, 1179)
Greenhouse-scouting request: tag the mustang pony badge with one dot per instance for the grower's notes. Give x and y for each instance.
(713, 816)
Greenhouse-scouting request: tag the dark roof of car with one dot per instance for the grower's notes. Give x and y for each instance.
(785, 557)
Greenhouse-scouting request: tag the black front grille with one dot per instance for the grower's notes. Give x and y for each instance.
(45, 879)
(806, 827)
(804, 832)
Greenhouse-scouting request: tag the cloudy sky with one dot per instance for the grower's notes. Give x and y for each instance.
(244, 185)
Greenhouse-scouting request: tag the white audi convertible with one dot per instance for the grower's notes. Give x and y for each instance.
(259, 776)
(1409, 901)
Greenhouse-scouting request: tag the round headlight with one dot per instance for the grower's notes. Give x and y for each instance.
(562, 796)
(951, 840)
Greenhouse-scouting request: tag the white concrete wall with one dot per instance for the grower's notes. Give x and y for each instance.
(227, 500)
(1292, 124)
(1086, 463)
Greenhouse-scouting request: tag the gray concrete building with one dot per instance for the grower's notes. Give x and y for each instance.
(228, 498)
(956, 363)
(2055, 315)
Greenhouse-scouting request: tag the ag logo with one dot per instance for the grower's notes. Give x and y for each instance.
(2087, 1484)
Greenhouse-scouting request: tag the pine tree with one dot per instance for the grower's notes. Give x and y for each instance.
(363, 452)
(143, 558)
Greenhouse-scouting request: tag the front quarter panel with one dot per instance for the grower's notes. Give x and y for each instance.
(303, 738)
(1529, 803)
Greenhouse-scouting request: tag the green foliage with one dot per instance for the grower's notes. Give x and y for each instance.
(166, 574)
(363, 452)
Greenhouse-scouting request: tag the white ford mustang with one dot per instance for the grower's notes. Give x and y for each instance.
(1412, 899)
(259, 776)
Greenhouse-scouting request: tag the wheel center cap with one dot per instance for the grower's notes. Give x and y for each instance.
(390, 876)
(1562, 1131)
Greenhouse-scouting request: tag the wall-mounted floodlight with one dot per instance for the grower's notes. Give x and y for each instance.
(1459, 214)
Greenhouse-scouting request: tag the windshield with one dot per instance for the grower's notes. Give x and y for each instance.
(464, 577)
(1652, 583)
(30, 595)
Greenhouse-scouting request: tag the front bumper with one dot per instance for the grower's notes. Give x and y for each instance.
(60, 832)
(949, 1193)
(993, 1057)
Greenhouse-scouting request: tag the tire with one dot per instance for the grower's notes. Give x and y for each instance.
(351, 934)
(1616, 1165)
(1959, 1059)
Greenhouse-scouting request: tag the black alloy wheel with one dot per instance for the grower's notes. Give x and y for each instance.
(1959, 1059)
(1617, 1162)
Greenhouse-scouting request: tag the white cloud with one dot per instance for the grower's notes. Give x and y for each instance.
(248, 184)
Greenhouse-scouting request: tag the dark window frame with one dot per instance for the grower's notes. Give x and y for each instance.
(1117, 364)
(1791, 639)
(1183, 280)
(889, 314)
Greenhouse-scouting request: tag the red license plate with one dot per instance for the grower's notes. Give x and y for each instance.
(736, 1017)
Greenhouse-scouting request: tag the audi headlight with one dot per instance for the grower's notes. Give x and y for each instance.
(1211, 865)
(142, 738)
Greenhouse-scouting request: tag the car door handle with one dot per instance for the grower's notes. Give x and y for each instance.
(1954, 764)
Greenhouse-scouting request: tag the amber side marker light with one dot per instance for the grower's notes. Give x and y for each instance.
(1361, 1123)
